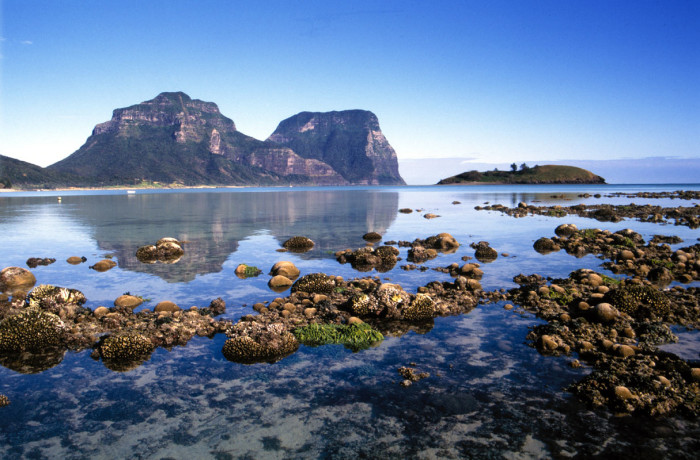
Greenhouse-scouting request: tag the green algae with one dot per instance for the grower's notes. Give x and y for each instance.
(354, 336)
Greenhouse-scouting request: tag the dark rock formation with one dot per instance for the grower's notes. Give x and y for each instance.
(350, 141)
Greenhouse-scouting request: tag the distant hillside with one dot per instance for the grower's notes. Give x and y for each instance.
(173, 139)
(20, 174)
(546, 174)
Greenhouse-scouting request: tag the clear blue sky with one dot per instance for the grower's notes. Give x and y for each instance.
(492, 81)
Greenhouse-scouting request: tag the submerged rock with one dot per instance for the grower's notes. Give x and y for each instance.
(32, 362)
(104, 265)
(617, 333)
(75, 260)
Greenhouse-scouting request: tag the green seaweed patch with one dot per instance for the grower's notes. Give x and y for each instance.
(662, 263)
(610, 281)
(251, 271)
(556, 213)
(588, 232)
(626, 243)
(356, 337)
(561, 298)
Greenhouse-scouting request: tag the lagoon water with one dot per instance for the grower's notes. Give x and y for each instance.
(489, 394)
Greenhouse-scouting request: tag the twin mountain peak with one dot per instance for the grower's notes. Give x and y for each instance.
(176, 139)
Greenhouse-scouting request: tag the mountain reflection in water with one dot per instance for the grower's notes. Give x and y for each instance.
(213, 224)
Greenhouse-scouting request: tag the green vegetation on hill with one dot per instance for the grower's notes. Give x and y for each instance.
(20, 174)
(546, 174)
(150, 153)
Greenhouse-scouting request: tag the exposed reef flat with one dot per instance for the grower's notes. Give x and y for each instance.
(681, 215)
(677, 194)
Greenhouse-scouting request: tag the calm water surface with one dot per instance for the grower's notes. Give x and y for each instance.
(489, 394)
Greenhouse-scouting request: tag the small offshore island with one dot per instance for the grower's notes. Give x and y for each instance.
(546, 174)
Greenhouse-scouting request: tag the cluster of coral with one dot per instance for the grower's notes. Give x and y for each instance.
(422, 250)
(366, 259)
(38, 327)
(616, 327)
(327, 309)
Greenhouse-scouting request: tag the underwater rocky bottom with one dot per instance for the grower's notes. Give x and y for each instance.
(478, 392)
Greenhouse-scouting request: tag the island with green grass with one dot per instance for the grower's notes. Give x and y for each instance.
(545, 174)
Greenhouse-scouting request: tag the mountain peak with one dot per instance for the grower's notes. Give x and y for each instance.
(351, 141)
(173, 138)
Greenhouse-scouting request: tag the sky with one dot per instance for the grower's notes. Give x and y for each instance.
(485, 82)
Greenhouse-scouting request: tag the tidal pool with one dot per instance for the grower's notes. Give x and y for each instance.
(489, 394)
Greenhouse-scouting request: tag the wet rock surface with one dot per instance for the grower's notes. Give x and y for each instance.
(34, 262)
(422, 250)
(484, 252)
(167, 250)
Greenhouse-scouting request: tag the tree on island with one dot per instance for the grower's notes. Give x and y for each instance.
(524, 167)
(514, 167)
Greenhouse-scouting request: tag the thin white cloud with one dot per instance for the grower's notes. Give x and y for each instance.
(27, 42)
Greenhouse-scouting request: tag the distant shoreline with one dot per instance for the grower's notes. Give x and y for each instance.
(207, 187)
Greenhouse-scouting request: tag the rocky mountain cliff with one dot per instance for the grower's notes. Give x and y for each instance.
(176, 139)
(350, 141)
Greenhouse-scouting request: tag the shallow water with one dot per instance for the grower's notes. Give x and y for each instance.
(488, 394)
